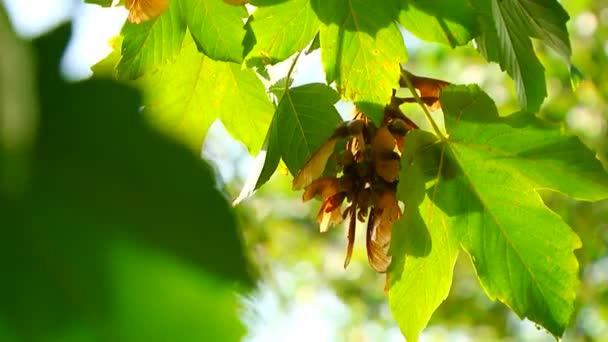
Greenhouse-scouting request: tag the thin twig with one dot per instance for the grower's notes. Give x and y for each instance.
(427, 114)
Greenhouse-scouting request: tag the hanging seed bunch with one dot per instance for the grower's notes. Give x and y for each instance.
(365, 188)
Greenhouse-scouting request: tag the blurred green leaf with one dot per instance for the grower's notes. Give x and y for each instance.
(161, 299)
(448, 22)
(576, 76)
(101, 178)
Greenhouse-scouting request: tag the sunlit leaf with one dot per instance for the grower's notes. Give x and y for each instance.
(217, 29)
(306, 118)
(186, 96)
(507, 27)
(282, 29)
(297, 130)
(523, 252)
(148, 46)
(361, 48)
(423, 247)
(450, 22)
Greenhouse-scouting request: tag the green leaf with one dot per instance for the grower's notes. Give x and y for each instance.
(423, 247)
(264, 164)
(103, 3)
(186, 96)
(361, 48)
(507, 28)
(546, 20)
(217, 29)
(272, 156)
(576, 77)
(279, 87)
(316, 44)
(306, 117)
(282, 29)
(523, 252)
(448, 22)
(101, 181)
(149, 45)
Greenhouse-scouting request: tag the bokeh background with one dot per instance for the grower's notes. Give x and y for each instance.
(303, 292)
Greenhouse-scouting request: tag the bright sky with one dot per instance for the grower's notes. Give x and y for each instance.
(93, 28)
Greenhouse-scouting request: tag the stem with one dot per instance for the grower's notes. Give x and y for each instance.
(291, 68)
(427, 114)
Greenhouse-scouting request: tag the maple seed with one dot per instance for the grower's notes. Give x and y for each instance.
(370, 163)
(429, 88)
(370, 168)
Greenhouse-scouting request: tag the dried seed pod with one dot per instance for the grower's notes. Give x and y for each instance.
(325, 187)
(385, 212)
(370, 166)
(385, 160)
(398, 127)
(314, 167)
(429, 88)
(330, 213)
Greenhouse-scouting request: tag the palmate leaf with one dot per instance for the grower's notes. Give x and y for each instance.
(507, 27)
(484, 195)
(149, 45)
(423, 247)
(186, 96)
(523, 252)
(281, 29)
(450, 22)
(361, 48)
(304, 119)
(217, 29)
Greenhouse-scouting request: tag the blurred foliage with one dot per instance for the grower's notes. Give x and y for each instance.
(111, 231)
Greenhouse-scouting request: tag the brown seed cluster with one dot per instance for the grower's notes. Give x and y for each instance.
(369, 172)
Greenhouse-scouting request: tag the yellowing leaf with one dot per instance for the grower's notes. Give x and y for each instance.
(144, 10)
